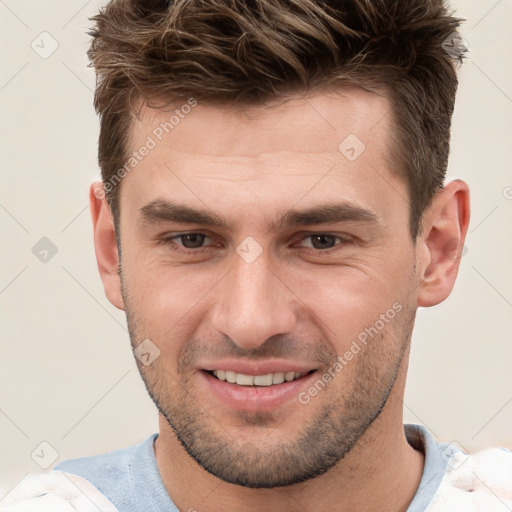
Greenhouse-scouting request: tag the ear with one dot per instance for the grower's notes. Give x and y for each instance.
(105, 244)
(442, 241)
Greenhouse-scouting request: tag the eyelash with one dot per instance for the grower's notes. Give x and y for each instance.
(168, 240)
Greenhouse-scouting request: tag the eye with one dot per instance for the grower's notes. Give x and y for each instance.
(324, 242)
(192, 240)
(186, 242)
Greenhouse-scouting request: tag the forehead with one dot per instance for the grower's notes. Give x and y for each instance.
(313, 123)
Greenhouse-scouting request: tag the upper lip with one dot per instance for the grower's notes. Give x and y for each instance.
(256, 368)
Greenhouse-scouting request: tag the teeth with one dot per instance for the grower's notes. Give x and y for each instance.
(263, 380)
(244, 380)
(277, 378)
(289, 376)
(256, 380)
(230, 376)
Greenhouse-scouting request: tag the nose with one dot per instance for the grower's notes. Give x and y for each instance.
(253, 304)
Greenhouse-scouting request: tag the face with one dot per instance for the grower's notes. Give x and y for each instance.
(263, 245)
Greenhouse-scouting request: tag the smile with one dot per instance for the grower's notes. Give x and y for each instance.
(266, 391)
(267, 379)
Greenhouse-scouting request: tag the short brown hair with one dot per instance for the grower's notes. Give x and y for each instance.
(245, 52)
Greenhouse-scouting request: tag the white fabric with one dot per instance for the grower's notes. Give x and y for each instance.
(481, 482)
(55, 491)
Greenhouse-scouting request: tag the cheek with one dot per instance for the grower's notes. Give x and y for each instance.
(166, 302)
(345, 301)
(161, 285)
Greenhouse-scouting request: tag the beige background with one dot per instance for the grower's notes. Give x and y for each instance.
(67, 373)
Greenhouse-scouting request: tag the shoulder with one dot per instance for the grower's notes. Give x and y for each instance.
(52, 491)
(480, 482)
(106, 463)
(114, 473)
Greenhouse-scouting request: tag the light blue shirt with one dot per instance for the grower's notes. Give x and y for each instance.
(129, 477)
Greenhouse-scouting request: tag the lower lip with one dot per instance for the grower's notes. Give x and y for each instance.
(255, 398)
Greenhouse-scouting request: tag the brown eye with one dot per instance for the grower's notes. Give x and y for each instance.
(323, 241)
(192, 240)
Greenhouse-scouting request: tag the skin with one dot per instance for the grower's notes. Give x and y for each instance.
(295, 302)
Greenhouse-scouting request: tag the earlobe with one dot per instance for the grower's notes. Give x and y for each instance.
(105, 244)
(441, 244)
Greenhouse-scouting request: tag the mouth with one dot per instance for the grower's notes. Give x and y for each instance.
(266, 391)
(264, 380)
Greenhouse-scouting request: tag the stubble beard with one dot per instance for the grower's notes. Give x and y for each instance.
(348, 411)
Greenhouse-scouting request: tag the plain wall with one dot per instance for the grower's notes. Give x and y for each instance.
(68, 377)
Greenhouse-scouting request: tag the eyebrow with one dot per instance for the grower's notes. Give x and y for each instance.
(161, 210)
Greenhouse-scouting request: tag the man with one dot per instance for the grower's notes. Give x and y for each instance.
(272, 213)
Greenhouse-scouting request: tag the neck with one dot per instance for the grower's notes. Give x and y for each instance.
(381, 472)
